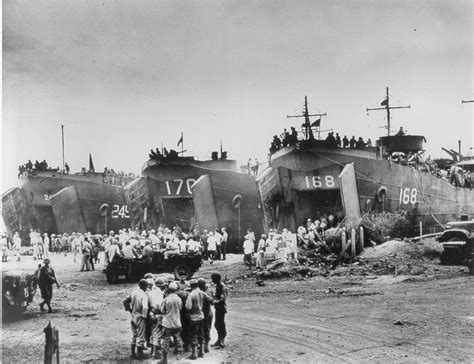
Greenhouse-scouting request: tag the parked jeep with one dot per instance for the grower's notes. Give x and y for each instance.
(131, 270)
(18, 290)
(458, 244)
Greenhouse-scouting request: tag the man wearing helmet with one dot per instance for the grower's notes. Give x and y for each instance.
(171, 309)
(46, 279)
(157, 318)
(138, 308)
(220, 306)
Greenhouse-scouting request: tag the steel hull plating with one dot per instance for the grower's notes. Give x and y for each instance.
(175, 192)
(98, 207)
(381, 186)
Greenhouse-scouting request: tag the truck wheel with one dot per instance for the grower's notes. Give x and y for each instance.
(11, 312)
(181, 270)
(445, 258)
(110, 276)
(131, 273)
(115, 278)
(5, 305)
(453, 256)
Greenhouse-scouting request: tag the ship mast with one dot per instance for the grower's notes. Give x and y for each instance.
(62, 143)
(306, 115)
(387, 107)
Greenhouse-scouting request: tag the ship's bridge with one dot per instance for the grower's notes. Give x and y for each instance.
(401, 143)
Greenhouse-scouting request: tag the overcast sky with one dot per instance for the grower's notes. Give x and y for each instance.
(126, 76)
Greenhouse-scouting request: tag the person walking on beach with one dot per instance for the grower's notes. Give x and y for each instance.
(46, 279)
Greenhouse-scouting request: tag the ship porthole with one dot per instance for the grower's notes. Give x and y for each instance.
(236, 201)
(103, 209)
(381, 194)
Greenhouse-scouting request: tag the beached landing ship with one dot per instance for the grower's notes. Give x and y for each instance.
(56, 202)
(181, 190)
(310, 176)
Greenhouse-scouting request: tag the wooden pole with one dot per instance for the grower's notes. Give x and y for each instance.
(56, 339)
(343, 244)
(51, 346)
(353, 243)
(421, 229)
(361, 239)
(48, 346)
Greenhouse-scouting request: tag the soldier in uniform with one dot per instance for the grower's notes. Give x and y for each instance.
(194, 308)
(17, 245)
(46, 280)
(171, 309)
(345, 142)
(225, 237)
(220, 306)
(137, 305)
(208, 315)
(46, 244)
(157, 318)
(4, 246)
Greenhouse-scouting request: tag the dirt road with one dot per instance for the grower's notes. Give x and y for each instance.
(381, 320)
(336, 319)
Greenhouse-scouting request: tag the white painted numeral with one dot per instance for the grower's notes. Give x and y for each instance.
(407, 196)
(189, 184)
(329, 181)
(180, 185)
(317, 182)
(120, 211)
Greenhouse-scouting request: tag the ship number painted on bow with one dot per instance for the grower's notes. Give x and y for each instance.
(407, 196)
(318, 182)
(175, 187)
(120, 211)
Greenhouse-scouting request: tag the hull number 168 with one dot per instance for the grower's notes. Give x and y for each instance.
(318, 182)
(407, 196)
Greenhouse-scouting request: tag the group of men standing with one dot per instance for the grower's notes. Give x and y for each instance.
(165, 311)
(273, 244)
(40, 246)
(214, 244)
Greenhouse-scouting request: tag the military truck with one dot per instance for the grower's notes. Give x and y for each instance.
(131, 270)
(18, 290)
(458, 244)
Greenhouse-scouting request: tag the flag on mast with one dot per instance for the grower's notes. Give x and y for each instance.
(384, 102)
(180, 141)
(317, 123)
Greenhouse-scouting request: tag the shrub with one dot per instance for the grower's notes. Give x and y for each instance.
(379, 225)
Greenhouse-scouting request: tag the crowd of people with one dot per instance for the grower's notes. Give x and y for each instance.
(109, 175)
(282, 244)
(166, 313)
(29, 167)
(332, 141)
(133, 244)
(117, 178)
(127, 243)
